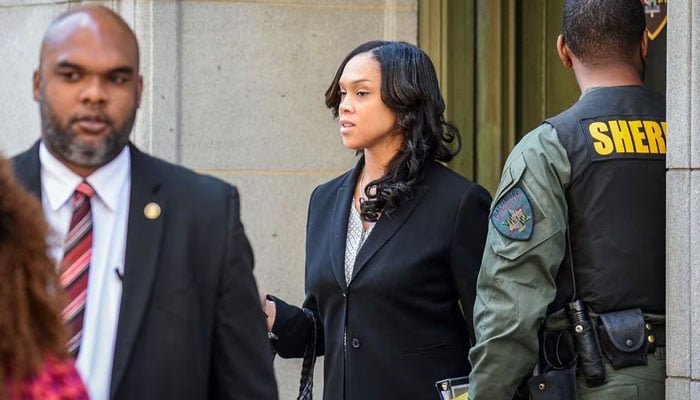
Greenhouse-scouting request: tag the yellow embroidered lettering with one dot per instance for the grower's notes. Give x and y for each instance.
(638, 135)
(657, 143)
(603, 145)
(621, 136)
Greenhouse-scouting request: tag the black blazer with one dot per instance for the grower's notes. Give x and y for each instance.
(403, 324)
(190, 324)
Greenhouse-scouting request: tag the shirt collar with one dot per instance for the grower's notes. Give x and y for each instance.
(59, 182)
(596, 88)
(589, 91)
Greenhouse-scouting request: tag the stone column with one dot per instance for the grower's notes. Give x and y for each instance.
(683, 201)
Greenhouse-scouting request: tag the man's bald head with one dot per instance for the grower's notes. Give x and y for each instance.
(88, 87)
(101, 20)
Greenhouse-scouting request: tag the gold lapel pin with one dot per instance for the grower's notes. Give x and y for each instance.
(151, 211)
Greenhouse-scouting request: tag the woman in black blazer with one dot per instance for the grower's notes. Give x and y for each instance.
(392, 246)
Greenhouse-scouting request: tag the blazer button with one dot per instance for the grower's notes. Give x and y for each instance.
(356, 343)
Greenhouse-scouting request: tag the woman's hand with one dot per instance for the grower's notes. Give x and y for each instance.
(270, 309)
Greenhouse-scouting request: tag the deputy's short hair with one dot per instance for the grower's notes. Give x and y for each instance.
(596, 29)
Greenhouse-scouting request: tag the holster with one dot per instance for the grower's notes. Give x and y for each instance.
(556, 350)
(554, 385)
(623, 337)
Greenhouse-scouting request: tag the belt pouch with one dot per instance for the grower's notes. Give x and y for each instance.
(559, 384)
(623, 337)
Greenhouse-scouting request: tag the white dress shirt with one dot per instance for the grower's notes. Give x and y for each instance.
(110, 210)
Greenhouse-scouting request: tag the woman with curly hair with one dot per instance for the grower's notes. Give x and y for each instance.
(394, 245)
(34, 363)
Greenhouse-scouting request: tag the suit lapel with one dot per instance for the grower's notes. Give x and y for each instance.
(339, 224)
(27, 168)
(386, 227)
(143, 236)
(142, 248)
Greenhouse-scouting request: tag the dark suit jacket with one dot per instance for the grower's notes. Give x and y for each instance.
(404, 326)
(190, 324)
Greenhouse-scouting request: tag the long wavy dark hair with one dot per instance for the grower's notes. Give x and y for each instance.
(409, 87)
(31, 327)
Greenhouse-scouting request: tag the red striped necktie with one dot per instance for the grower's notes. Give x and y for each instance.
(77, 252)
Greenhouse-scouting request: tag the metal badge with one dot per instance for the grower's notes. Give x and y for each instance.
(656, 17)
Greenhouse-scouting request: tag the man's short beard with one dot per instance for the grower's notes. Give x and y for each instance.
(64, 144)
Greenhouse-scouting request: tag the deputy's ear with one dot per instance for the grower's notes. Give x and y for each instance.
(644, 46)
(564, 52)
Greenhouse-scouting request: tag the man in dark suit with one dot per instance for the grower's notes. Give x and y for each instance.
(158, 272)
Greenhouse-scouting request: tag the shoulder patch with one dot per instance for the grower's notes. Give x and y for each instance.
(512, 215)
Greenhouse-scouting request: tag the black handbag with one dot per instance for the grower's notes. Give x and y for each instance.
(306, 383)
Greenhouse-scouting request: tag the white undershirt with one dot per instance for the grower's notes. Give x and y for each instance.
(110, 209)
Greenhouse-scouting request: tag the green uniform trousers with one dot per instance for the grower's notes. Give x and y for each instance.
(633, 383)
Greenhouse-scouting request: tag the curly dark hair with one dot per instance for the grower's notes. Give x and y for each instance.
(595, 29)
(409, 87)
(31, 326)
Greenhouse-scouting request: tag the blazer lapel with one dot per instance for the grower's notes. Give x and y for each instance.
(339, 224)
(27, 169)
(386, 227)
(142, 248)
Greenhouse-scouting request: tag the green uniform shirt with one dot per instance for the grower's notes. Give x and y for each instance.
(517, 278)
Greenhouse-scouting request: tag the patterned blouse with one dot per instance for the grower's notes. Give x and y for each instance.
(356, 238)
(58, 380)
